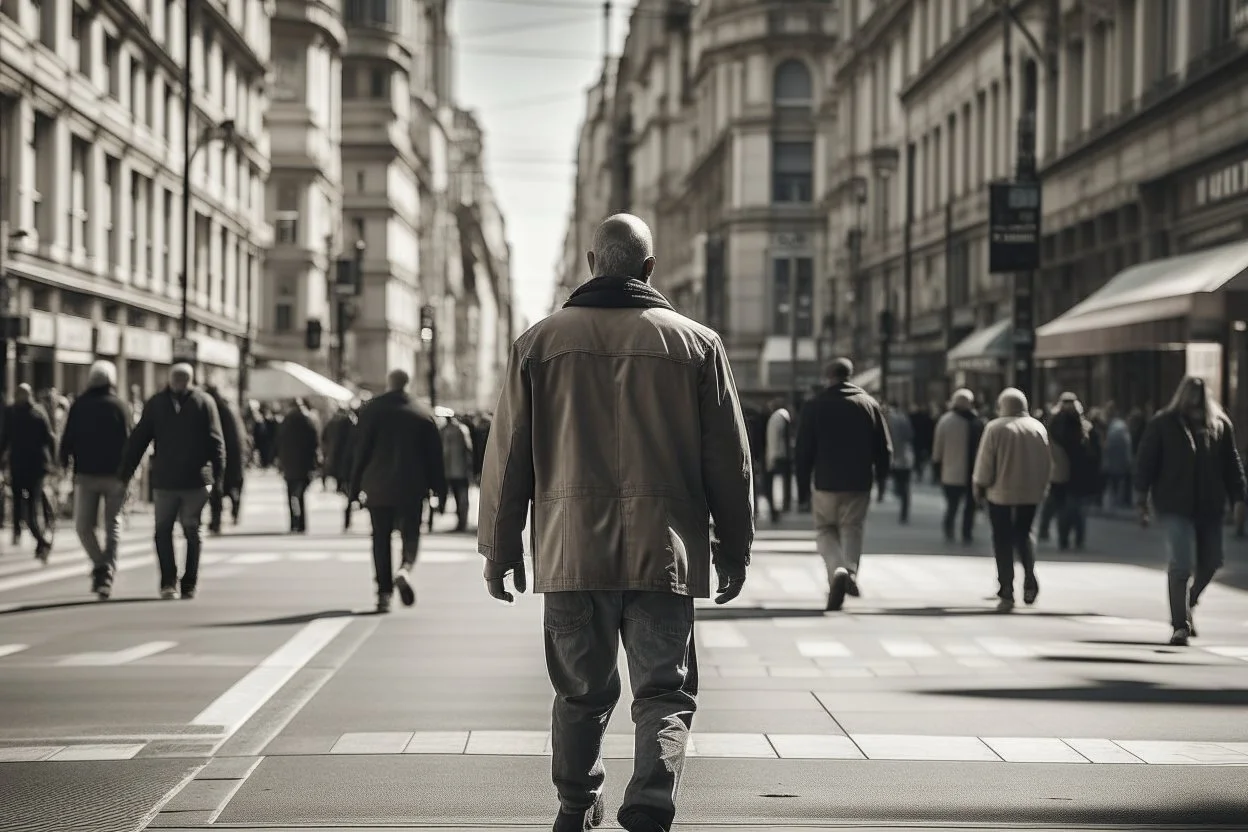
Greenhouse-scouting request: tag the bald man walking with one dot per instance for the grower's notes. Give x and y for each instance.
(619, 424)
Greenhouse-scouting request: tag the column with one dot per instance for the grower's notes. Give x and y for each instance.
(59, 201)
(1141, 37)
(1183, 13)
(125, 221)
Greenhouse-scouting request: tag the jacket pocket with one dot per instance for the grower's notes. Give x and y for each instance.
(566, 612)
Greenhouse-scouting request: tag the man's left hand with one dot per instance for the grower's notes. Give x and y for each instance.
(496, 572)
(730, 585)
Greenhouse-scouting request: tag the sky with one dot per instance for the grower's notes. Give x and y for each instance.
(523, 67)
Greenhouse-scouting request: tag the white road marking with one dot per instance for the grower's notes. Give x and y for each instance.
(1184, 753)
(823, 650)
(355, 557)
(957, 648)
(518, 743)
(735, 745)
(234, 707)
(382, 742)
(1231, 652)
(1105, 752)
(1033, 750)
(132, 654)
(815, 747)
(439, 742)
(101, 751)
(719, 634)
(10, 649)
(308, 557)
(909, 648)
(252, 558)
(1006, 648)
(902, 747)
(28, 753)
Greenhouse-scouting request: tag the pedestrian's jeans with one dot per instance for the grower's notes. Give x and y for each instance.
(459, 490)
(89, 491)
(839, 520)
(1072, 518)
(216, 506)
(901, 487)
(1011, 537)
(583, 632)
(386, 520)
(182, 507)
(1195, 549)
(954, 495)
(296, 500)
(28, 508)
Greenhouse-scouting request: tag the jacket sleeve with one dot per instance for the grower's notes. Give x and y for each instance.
(1232, 465)
(67, 437)
(985, 475)
(938, 440)
(1148, 461)
(727, 469)
(883, 447)
(362, 449)
(216, 440)
(435, 463)
(807, 450)
(136, 445)
(507, 478)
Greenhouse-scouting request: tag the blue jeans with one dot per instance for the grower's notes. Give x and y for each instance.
(1195, 550)
(181, 507)
(583, 633)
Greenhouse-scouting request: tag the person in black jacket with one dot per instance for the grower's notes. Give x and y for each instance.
(31, 447)
(189, 462)
(298, 455)
(398, 462)
(843, 439)
(232, 481)
(1189, 463)
(94, 440)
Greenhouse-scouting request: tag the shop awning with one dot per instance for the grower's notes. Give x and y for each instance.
(984, 349)
(287, 380)
(1146, 305)
(868, 380)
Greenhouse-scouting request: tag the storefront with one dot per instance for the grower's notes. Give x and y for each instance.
(980, 361)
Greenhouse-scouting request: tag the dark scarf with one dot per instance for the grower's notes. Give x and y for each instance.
(618, 293)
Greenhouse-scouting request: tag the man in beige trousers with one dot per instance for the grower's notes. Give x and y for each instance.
(1011, 475)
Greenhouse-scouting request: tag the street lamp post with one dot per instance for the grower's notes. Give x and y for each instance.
(429, 335)
(220, 132)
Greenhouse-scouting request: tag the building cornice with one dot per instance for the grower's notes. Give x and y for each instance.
(867, 37)
(312, 14)
(948, 56)
(241, 47)
(137, 28)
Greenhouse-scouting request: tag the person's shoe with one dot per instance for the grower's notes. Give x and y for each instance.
(851, 587)
(1030, 593)
(403, 583)
(1005, 605)
(41, 553)
(168, 593)
(836, 592)
(383, 603)
(580, 821)
(103, 592)
(634, 820)
(1180, 637)
(187, 594)
(215, 530)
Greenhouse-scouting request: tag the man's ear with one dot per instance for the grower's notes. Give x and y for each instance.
(647, 268)
(589, 255)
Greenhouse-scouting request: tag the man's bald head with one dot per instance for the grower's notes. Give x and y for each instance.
(623, 247)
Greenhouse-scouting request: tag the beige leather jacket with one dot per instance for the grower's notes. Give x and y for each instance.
(623, 430)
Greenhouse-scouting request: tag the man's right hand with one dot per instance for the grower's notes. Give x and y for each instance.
(731, 582)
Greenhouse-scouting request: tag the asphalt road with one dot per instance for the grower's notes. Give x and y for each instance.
(277, 700)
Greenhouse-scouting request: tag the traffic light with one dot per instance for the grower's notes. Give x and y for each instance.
(313, 335)
(427, 324)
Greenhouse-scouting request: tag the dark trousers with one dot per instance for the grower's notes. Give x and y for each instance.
(1072, 519)
(216, 506)
(1052, 507)
(28, 509)
(296, 500)
(583, 634)
(901, 487)
(1195, 549)
(459, 490)
(955, 495)
(386, 521)
(182, 507)
(782, 470)
(1011, 538)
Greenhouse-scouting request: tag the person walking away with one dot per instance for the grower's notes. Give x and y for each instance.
(298, 454)
(1076, 467)
(398, 462)
(756, 430)
(843, 441)
(924, 436)
(779, 460)
(457, 463)
(329, 443)
(232, 481)
(94, 439)
(901, 431)
(30, 444)
(183, 423)
(620, 425)
(1189, 466)
(343, 458)
(954, 447)
(1118, 462)
(1011, 476)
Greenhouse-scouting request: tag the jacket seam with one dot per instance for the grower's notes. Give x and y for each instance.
(689, 362)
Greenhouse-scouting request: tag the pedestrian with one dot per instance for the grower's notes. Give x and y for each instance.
(1118, 462)
(30, 444)
(843, 440)
(457, 462)
(954, 447)
(343, 458)
(779, 459)
(619, 422)
(183, 423)
(232, 432)
(1011, 476)
(924, 435)
(1189, 466)
(92, 443)
(901, 431)
(398, 462)
(1075, 448)
(298, 455)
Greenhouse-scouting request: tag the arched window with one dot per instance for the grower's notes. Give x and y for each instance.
(793, 86)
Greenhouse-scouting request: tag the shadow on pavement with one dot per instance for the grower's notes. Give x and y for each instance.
(65, 605)
(303, 618)
(942, 612)
(1124, 660)
(1123, 691)
(730, 613)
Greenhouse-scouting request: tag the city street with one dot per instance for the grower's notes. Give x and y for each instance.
(277, 700)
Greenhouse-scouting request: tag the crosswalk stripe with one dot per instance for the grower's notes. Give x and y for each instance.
(1006, 648)
(308, 557)
(251, 558)
(101, 751)
(10, 649)
(823, 650)
(131, 654)
(909, 648)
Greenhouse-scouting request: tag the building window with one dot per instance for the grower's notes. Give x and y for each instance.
(166, 249)
(792, 85)
(287, 217)
(136, 93)
(80, 33)
(374, 13)
(792, 167)
(785, 271)
(283, 316)
(79, 193)
(111, 202)
(112, 67)
(360, 181)
(205, 61)
(379, 83)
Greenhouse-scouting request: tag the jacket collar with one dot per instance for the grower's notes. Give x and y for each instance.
(618, 293)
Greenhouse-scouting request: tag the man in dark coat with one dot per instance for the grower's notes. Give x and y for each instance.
(31, 446)
(189, 462)
(398, 462)
(93, 442)
(298, 455)
(232, 484)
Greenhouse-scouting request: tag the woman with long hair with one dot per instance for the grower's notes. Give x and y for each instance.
(1189, 464)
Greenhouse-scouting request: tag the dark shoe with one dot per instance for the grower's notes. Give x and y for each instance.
(103, 592)
(836, 592)
(1029, 594)
(42, 551)
(580, 821)
(1180, 637)
(168, 593)
(403, 583)
(1005, 605)
(215, 529)
(851, 587)
(188, 594)
(383, 603)
(634, 820)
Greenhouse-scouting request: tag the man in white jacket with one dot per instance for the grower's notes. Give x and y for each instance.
(779, 459)
(953, 449)
(1011, 475)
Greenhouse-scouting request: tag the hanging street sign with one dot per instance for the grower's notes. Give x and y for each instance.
(1014, 227)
